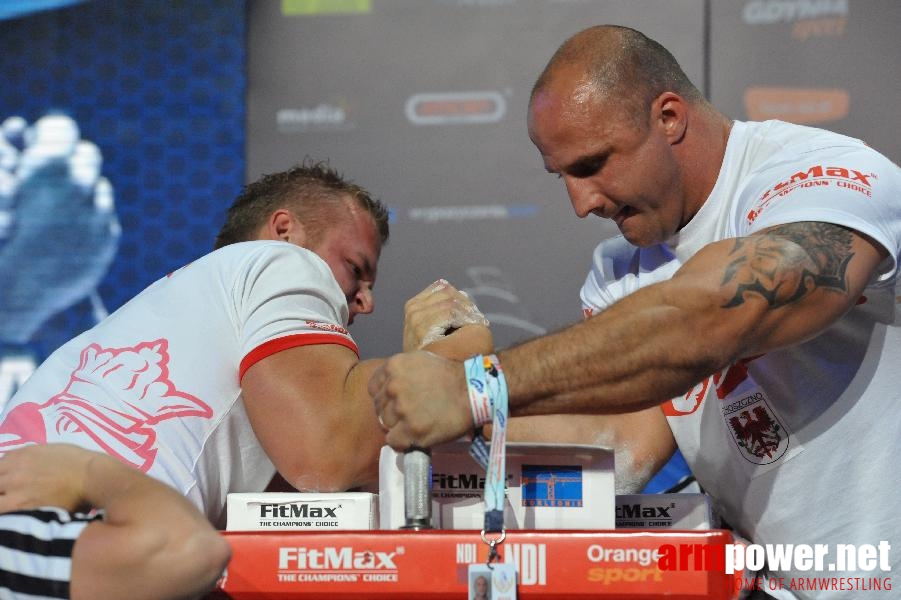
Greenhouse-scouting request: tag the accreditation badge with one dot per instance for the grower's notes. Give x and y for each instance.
(496, 581)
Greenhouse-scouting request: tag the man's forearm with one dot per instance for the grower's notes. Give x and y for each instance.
(636, 354)
(151, 534)
(735, 298)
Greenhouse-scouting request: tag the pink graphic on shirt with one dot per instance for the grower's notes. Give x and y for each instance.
(114, 398)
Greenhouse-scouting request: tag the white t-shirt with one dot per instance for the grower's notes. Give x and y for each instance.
(801, 445)
(157, 383)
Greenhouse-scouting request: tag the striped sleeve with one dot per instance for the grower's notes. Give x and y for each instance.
(36, 552)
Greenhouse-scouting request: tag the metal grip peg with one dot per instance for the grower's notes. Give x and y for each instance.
(417, 489)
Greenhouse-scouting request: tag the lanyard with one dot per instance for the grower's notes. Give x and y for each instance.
(488, 399)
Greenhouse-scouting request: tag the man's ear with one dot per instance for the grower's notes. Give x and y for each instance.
(671, 112)
(284, 226)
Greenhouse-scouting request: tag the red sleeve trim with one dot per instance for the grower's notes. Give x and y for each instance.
(292, 341)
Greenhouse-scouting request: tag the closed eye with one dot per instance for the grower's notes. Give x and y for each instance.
(587, 166)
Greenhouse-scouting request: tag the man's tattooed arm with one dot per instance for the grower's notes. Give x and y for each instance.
(786, 263)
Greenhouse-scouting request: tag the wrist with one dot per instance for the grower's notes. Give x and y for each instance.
(480, 403)
(486, 386)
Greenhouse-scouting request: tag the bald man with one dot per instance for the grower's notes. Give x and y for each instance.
(747, 314)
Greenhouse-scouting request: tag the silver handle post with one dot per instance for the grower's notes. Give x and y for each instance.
(417, 489)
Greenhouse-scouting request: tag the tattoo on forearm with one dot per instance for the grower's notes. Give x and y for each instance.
(788, 262)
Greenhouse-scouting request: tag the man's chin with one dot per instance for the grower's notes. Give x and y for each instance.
(639, 237)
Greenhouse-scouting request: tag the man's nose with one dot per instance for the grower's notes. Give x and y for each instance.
(363, 302)
(583, 197)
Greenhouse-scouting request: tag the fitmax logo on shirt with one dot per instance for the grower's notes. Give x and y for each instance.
(815, 176)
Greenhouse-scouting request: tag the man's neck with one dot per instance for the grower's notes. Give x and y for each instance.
(703, 155)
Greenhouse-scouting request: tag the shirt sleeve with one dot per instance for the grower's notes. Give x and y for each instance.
(36, 550)
(618, 268)
(845, 185)
(286, 297)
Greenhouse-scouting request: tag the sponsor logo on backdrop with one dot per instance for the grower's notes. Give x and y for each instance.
(435, 214)
(809, 18)
(477, 3)
(455, 108)
(306, 8)
(804, 106)
(325, 116)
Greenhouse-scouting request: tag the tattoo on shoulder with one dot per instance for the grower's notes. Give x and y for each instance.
(788, 262)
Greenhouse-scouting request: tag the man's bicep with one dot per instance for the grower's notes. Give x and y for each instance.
(807, 257)
(784, 285)
(293, 399)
